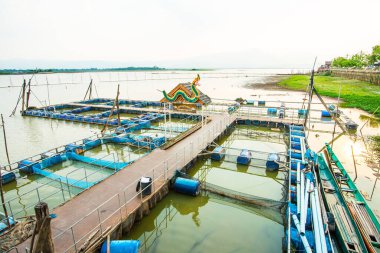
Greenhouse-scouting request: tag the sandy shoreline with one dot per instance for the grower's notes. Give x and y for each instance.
(269, 83)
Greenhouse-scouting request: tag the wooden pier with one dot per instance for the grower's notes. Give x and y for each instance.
(111, 202)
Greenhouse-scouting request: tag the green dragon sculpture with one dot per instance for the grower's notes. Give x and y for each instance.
(184, 95)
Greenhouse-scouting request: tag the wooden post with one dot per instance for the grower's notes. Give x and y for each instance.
(117, 105)
(23, 97)
(353, 158)
(42, 239)
(88, 91)
(28, 94)
(3, 201)
(5, 139)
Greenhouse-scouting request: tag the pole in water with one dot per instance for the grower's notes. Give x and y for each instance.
(23, 97)
(5, 138)
(3, 201)
(353, 158)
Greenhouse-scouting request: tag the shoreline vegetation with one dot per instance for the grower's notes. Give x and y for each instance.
(81, 70)
(354, 93)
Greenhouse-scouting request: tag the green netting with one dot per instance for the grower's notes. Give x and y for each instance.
(248, 198)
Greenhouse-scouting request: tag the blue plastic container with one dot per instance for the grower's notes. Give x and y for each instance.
(272, 162)
(218, 153)
(122, 246)
(187, 186)
(325, 114)
(244, 157)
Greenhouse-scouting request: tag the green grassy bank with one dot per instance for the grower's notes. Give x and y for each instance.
(355, 94)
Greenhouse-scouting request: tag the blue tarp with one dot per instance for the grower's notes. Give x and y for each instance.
(97, 162)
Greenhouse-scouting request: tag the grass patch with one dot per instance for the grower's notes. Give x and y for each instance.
(355, 93)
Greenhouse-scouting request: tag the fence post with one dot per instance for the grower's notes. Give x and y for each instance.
(63, 194)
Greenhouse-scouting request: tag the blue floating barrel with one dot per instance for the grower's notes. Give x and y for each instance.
(218, 153)
(4, 223)
(293, 210)
(121, 246)
(295, 139)
(74, 148)
(261, 102)
(293, 164)
(298, 133)
(331, 107)
(187, 186)
(296, 145)
(297, 128)
(293, 194)
(293, 177)
(272, 111)
(27, 166)
(302, 112)
(325, 114)
(7, 176)
(295, 155)
(244, 157)
(272, 163)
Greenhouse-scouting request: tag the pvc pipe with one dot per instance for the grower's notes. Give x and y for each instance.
(304, 217)
(302, 213)
(303, 149)
(303, 237)
(315, 224)
(321, 228)
(298, 187)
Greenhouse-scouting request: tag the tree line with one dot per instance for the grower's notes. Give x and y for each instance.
(359, 60)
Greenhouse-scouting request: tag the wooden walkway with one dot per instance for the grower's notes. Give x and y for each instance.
(109, 202)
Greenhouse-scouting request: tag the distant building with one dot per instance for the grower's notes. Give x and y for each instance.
(325, 67)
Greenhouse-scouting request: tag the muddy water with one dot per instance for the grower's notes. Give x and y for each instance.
(29, 136)
(198, 224)
(208, 223)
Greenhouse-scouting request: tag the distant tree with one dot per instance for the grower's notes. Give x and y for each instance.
(375, 56)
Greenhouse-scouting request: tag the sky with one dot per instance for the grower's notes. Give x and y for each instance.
(184, 34)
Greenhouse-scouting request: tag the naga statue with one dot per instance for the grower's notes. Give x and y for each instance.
(183, 94)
